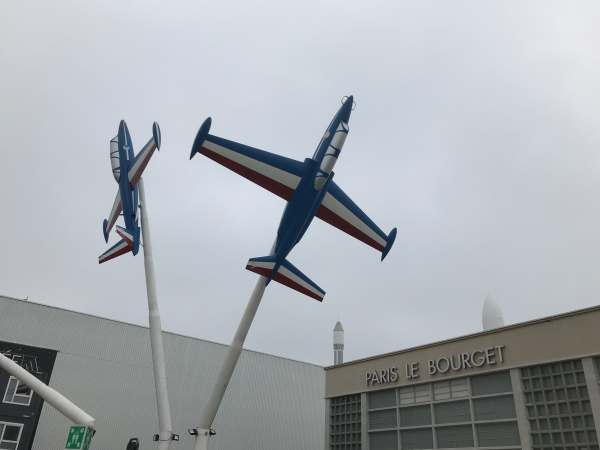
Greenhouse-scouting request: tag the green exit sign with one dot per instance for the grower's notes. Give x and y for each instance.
(79, 438)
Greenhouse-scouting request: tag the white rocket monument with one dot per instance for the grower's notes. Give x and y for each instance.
(338, 343)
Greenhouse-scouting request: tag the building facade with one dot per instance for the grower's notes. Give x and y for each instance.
(530, 386)
(105, 367)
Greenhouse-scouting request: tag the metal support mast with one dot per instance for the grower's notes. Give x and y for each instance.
(165, 425)
(203, 432)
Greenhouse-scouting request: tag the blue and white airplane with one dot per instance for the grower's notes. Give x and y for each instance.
(309, 190)
(125, 162)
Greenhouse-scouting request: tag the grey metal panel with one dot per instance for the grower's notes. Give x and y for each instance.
(498, 434)
(489, 408)
(455, 437)
(105, 367)
(492, 383)
(452, 412)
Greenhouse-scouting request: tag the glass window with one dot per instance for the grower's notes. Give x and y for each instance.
(385, 418)
(407, 395)
(441, 390)
(382, 399)
(493, 383)
(415, 416)
(17, 392)
(10, 435)
(383, 440)
(459, 388)
(422, 393)
(489, 408)
(452, 412)
(417, 439)
(344, 430)
(455, 437)
(498, 434)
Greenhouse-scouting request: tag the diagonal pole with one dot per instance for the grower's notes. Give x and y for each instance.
(204, 431)
(65, 406)
(165, 426)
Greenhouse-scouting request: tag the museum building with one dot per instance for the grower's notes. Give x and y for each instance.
(533, 385)
(105, 367)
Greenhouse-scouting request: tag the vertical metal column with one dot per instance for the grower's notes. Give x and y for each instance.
(591, 380)
(364, 421)
(521, 411)
(327, 423)
(165, 435)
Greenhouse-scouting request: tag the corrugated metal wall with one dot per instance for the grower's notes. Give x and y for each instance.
(105, 367)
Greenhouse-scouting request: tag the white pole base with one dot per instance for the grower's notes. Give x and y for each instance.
(202, 439)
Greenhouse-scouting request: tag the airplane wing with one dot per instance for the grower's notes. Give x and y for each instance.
(276, 173)
(142, 159)
(339, 210)
(114, 215)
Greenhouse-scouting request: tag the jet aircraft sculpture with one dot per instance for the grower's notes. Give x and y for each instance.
(309, 190)
(127, 169)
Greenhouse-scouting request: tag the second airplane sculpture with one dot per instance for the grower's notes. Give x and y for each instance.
(310, 191)
(127, 168)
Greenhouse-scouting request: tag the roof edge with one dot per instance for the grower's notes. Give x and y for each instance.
(576, 312)
(26, 300)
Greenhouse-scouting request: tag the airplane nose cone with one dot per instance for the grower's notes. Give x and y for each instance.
(346, 108)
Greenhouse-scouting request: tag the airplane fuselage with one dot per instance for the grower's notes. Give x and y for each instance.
(129, 195)
(312, 188)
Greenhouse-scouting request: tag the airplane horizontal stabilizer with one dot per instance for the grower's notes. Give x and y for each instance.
(120, 248)
(286, 273)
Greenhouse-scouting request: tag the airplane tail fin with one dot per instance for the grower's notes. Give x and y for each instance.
(125, 245)
(105, 229)
(389, 242)
(201, 137)
(286, 273)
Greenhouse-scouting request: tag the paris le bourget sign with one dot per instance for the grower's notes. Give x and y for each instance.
(412, 370)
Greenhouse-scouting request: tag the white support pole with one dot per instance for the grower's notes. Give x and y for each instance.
(165, 426)
(65, 406)
(231, 359)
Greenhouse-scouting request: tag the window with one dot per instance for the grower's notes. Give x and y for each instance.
(490, 408)
(385, 418)
(382, 399)
(498, 434)
(17, 393)
(495, 383)
(455, 437)
(386, 440)
(10, 435)
(344, 427)
(561, 418)
(415, 394)
(415, 416)
(452, 412)
(417, 439)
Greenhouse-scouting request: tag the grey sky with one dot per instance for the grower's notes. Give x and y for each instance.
(477, 134)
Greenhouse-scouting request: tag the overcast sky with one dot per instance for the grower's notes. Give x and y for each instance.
(477, 134)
